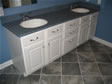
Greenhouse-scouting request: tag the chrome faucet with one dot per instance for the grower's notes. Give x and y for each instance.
(25, 17)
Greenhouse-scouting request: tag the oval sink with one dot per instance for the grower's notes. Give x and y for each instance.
(33, 23)
(80, 10)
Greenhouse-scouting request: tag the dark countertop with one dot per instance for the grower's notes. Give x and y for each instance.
(53, 18)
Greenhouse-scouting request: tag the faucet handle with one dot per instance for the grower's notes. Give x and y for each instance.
(25, 17)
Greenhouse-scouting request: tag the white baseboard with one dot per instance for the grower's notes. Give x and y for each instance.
(102, 41)
(6, 64)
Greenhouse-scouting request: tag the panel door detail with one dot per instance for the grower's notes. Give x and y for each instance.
(34, 55)
(54, 48)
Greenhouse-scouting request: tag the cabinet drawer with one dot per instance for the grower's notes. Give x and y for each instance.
(55, 30)
(71, 32)
(70, 44)
(85, 19)
(33, 38)
(94, 18)
(71, 24)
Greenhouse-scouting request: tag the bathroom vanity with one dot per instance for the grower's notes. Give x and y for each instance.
(31, 49)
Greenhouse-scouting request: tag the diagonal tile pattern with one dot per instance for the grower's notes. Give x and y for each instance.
(90, 63)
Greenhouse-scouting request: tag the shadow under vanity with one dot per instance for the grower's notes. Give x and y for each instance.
(34, 48)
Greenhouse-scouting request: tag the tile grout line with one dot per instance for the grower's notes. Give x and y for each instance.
(97, 66)
(18, 78)
(61, 71)
(80, 67)
(40, 76)
(109, 55)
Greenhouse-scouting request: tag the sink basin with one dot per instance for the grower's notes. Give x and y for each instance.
(80, 10)
(33, 23)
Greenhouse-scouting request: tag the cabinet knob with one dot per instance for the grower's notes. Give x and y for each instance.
(32, 40)
(71, 25)
(49, 44)
(70, 32)
(57, 30)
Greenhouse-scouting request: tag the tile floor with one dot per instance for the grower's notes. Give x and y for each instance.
(90, 63)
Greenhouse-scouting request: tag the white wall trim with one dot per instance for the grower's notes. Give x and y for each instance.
(102, 41)
(6, 64)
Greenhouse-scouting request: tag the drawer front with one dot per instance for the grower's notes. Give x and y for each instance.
(85, 19)
(33, 38)
(55, 30)
(94, 18)
(70, 44)
(71, 24)
(71, 32)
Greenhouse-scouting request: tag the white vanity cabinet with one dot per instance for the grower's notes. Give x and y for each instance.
(33, 51)
(54, 42)
(93, 23)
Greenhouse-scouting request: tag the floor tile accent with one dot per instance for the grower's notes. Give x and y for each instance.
(86, 57)
(93, 80)
(98, 48)
(8, 78)
(70, 57)
(72, 80)
(50, 80)
(89, 69)
(84, 48)
(110, 54)
(10, 70)
(106, 69)
(74, 50)
(109, 49)
(52, 69)
(32, 79)
(92, 42)
(108, 80)
(37, 72)
(70, 69)
(58, 60)
(102, 57)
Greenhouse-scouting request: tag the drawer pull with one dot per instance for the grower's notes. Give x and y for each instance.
(37, 38)
(32, 40)
(53, 31)
(85, 19)
(71, 40)
(71, 25)
(73, 31)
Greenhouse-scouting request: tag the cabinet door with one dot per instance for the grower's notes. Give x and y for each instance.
(54, 48)
(83, 33)
(34, 57)
(69, 44)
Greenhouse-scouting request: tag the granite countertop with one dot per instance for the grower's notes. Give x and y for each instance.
(53, 18)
